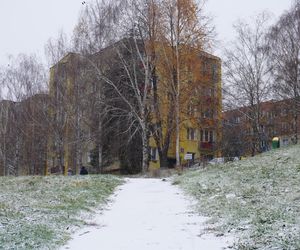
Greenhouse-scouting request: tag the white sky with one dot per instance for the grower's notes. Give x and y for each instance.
(26, 25)
(226, 12)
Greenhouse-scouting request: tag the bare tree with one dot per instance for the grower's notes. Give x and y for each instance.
(65, 112)
(131, 69)
(247, 74)
(93, 32)
(284, 58)
(56, 48)
(23, 77)
(98, 26)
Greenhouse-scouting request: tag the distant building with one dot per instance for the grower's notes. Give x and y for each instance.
(277, 120)
(24, 127)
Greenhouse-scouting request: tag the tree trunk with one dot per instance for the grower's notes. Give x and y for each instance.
(177, 108)
(100, 159)
(177, 134)
(78, 157)
(145, 160)
(296, 127)
(4, 155)
(163, 158)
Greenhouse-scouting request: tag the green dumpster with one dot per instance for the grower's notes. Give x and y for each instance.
(275, 142)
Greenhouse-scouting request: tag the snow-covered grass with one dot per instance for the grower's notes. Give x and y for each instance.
(41, 212)
(256, 199)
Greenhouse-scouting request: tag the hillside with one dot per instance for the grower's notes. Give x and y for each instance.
(257, 199)
(42, 212)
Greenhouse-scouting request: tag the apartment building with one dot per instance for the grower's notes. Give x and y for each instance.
(89, 134)
(276, 119)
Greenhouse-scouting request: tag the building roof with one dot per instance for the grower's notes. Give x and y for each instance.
(123, 41)
(265, 106)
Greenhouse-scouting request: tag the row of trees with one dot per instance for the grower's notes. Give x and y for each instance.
(116, 92)
(23, 116)
(263, 63)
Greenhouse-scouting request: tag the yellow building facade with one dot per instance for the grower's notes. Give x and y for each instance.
(200, 115)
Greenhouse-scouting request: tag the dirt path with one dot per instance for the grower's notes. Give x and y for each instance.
(147, 214)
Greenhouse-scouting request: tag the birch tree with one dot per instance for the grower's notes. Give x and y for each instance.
(284, 58)
(185, 31)
(247, 74)
(55, 50)
(131, 69)
(23, 77)
(92, 33)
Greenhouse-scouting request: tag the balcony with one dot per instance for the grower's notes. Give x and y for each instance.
(207, 145)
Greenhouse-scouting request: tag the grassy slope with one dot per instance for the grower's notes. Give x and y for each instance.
(257, 199)
(39, 212)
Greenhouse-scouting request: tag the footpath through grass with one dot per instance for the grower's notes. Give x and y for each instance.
(257, 199)
(40, 212)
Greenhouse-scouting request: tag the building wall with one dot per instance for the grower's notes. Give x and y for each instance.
(277, 120)
(202, 92)
(78, 81)
(24, 128)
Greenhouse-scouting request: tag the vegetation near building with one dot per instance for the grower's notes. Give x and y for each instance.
(85, 107)
(23, 146)
(200, 111)
(90, 127)
(277, 120)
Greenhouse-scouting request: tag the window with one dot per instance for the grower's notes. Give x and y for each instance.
(153, 154)
(284, 126)
(208, 113)
(284, 111)
(88, 157)
(190, 134)
(204, 68)
(214, 72)
(207, 136)
(192, 110)
(285, 141)
(211, 136)
(154, 81)
(170, 96)
(208, 91)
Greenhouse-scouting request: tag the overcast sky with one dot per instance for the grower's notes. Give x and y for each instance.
(26, 25)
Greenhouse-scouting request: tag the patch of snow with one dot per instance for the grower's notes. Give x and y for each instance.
(148, 214)
(230, 196)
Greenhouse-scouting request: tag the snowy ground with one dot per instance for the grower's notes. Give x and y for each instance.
(40, 212)
(147, 214)
(256, 199)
